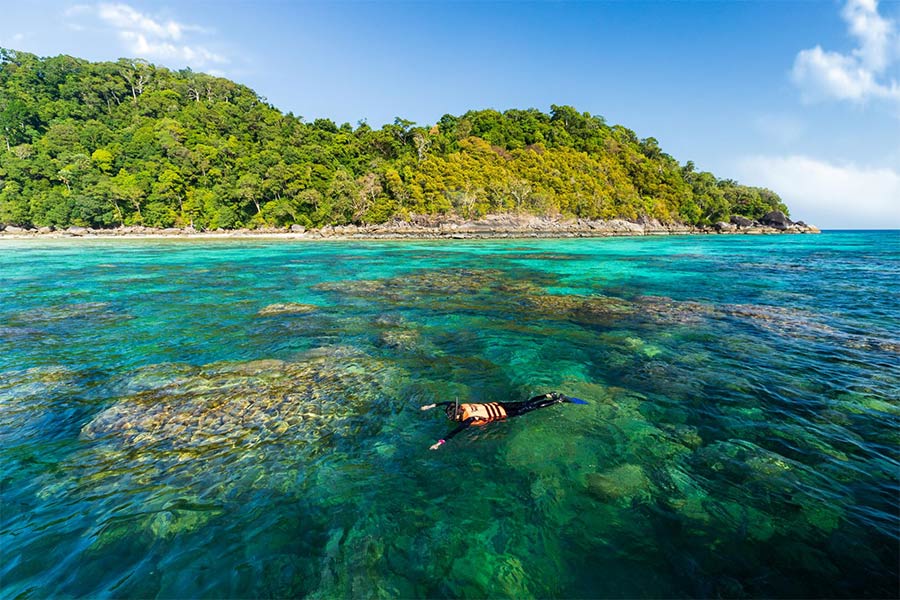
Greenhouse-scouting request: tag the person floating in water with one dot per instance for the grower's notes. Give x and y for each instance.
(482, 414)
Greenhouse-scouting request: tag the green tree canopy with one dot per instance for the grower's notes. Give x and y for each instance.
(106, 144)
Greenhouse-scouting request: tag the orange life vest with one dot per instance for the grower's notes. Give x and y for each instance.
(483, 413)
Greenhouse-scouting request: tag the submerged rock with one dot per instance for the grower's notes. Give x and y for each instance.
(175, 519)
(287, 308)
(446, 289)
(245, 404)
(624, 483)
(211, 432)
(399, 339)
(781, 319)
(61, 312)
(742, 519)
(674, 312)
(30, 400)
(479, 573)
(823, 515)
(18, 333)
(595, 310)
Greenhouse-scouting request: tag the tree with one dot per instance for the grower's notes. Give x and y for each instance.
(16, 122)
(136, 73)
(125, 186)
(14, 209)
(169, 190)
(131, 143)
(103, 158)
(74, 167)
(369, 190)
(249, 190)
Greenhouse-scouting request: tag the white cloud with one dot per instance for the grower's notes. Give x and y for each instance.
(147, 47)
(876, 34)
(145, 36)
(128, 19)
(832, 196)
(863, 73)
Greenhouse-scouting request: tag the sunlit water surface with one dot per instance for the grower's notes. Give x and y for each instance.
(240, 418)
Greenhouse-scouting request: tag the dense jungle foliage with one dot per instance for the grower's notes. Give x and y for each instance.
(130, 143)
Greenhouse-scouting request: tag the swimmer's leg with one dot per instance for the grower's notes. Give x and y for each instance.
(517, 408)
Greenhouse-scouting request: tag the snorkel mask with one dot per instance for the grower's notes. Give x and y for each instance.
(453, 411)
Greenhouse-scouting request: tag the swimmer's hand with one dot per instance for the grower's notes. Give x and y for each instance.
(437, 444)
(427, 407)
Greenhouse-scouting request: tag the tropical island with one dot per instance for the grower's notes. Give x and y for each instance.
(131, 147)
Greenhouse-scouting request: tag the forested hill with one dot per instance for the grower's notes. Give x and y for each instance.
(107, 144)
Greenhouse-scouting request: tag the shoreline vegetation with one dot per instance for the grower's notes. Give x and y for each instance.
(132, 148)
(492, 227)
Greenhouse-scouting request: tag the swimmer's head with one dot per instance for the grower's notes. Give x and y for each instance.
(454, 412)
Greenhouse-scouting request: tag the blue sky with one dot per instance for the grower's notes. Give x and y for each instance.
(799, 96)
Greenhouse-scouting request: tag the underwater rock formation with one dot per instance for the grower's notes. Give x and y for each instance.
(64, 317)
(624, 483)
(37, 400)
(287, 308)
(451, 289)
(246, 404)
(203, 433)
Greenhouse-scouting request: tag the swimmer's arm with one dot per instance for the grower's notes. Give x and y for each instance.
(430, 406)
(462, 426)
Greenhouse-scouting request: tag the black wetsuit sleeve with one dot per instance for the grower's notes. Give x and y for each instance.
(461, 427)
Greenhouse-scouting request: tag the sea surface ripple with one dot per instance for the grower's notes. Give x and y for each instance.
(240, 418)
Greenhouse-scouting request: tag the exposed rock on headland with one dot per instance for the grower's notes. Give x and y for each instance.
(440, 227)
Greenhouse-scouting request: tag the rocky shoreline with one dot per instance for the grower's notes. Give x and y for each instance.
(423, 227)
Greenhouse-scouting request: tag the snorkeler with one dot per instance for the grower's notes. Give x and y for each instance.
(482, 414)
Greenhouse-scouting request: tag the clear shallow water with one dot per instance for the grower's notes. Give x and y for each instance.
(240, 418)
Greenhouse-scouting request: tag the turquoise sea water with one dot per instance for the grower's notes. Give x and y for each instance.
(240, 418)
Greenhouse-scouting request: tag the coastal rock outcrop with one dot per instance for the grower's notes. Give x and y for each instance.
(447, 227)
(776, 219)
(741, 222)
(724, 227)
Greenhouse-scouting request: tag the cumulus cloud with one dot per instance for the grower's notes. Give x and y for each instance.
(129, 20)
(860, 75)
(832, 196)
(146, 36)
